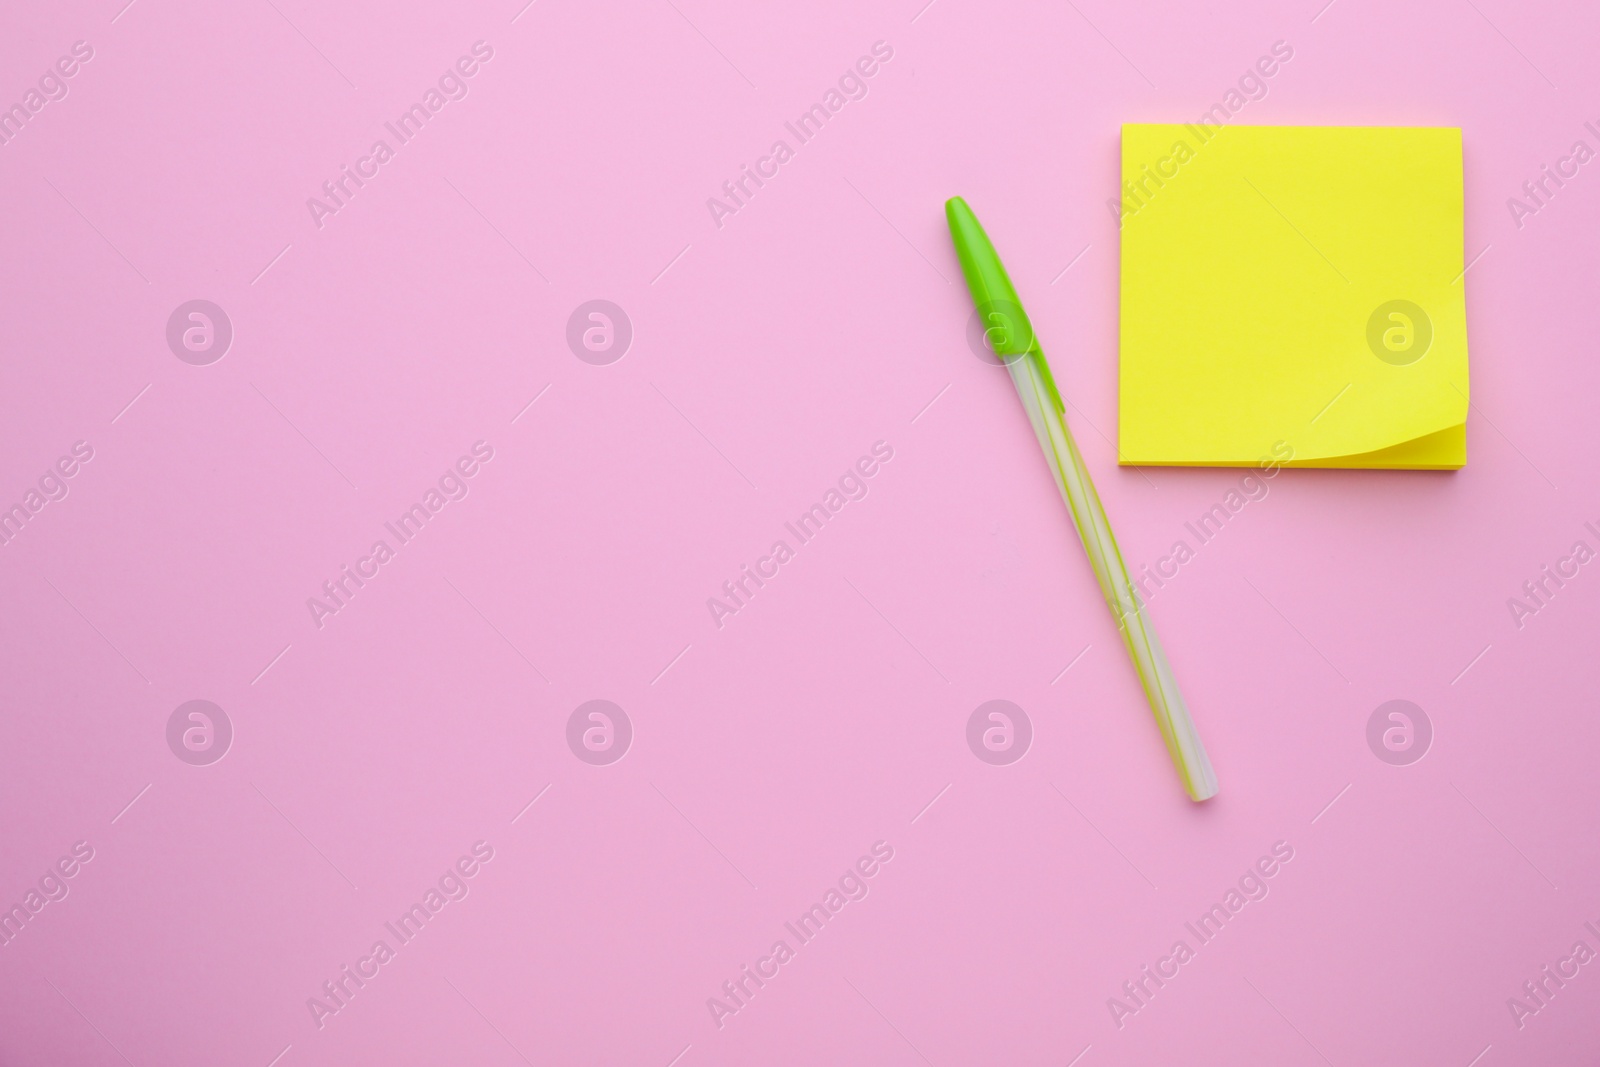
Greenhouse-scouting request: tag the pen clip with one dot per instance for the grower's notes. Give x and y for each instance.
(1037, 354)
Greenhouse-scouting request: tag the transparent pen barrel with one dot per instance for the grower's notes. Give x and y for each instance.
(1155, 674)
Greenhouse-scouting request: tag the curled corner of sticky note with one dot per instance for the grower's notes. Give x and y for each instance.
(1445, 450)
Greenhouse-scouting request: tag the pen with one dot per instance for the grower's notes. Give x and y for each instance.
(1007, 328)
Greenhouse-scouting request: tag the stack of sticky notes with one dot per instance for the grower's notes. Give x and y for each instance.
(1292, 294)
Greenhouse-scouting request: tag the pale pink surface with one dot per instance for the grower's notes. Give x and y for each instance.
(821, 318)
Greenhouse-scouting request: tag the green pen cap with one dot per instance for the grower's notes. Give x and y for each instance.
(1009, 331)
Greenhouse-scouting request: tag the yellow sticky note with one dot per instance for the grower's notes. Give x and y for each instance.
(1294, 293)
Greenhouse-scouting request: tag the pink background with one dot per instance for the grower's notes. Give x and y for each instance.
(767, 356)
